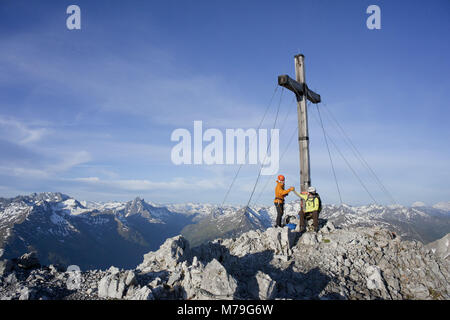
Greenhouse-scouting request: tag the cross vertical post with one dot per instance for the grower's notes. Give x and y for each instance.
(302, 93)
(303, 138)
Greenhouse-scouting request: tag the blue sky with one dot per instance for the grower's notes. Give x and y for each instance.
(90, 112)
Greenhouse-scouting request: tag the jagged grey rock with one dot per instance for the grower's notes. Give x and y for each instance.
(24, 294)
(174, 277)
(28, 261)
(130, 278)
(329, 227)
(277, 240)
(53, 269)
(156, 282)
(113, 284)
(217, 281)
(280, 240)
(374, 279)
(113, 270)
(441, 247)
(144, 293)
(309, 239)
(207, 282)
(266, 286)
(171, 252)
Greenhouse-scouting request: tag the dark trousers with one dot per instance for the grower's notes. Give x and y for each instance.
(315, 216)
(280, 211)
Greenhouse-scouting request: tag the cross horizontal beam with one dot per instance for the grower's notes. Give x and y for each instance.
(298, 88)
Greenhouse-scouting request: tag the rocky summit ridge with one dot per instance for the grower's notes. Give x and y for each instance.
(276, 263)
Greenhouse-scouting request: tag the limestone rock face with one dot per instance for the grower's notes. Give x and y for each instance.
(172, 251)
(217, 281)
(266, 286)
(308, 239)
(441, 247)
(374, 278)
(112, 285)
(144, 293)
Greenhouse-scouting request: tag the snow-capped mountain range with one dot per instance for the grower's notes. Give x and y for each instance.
(424, 223)
(66, 231)
(99, 234)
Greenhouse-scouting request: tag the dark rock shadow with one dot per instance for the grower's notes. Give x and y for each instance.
(48, 289)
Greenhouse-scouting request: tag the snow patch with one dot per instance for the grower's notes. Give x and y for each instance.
(418, 204)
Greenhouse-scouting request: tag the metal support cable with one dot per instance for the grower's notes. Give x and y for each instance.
(285, 150)
(268, 146)
(246, 154)
(359, 156)
(282, 156)
(329, 154)
(349, 165)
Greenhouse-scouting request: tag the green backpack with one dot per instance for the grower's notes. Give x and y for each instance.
(320, 202)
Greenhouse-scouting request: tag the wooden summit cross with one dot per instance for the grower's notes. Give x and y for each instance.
(301, 91)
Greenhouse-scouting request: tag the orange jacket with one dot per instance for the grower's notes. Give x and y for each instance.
(280, 193)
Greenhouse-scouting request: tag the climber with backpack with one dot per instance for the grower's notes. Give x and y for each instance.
(280, 194)
(311, 205)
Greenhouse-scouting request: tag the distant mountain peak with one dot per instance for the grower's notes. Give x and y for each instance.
(50, 196)
(138, 199)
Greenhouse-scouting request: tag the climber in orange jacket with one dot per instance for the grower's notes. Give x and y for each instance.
(280, 194)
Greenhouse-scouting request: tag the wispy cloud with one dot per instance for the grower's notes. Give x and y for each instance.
(19, 132)
(26, 155)
(157, 88)
(175, 184)
(36, 171)
(70, 160)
